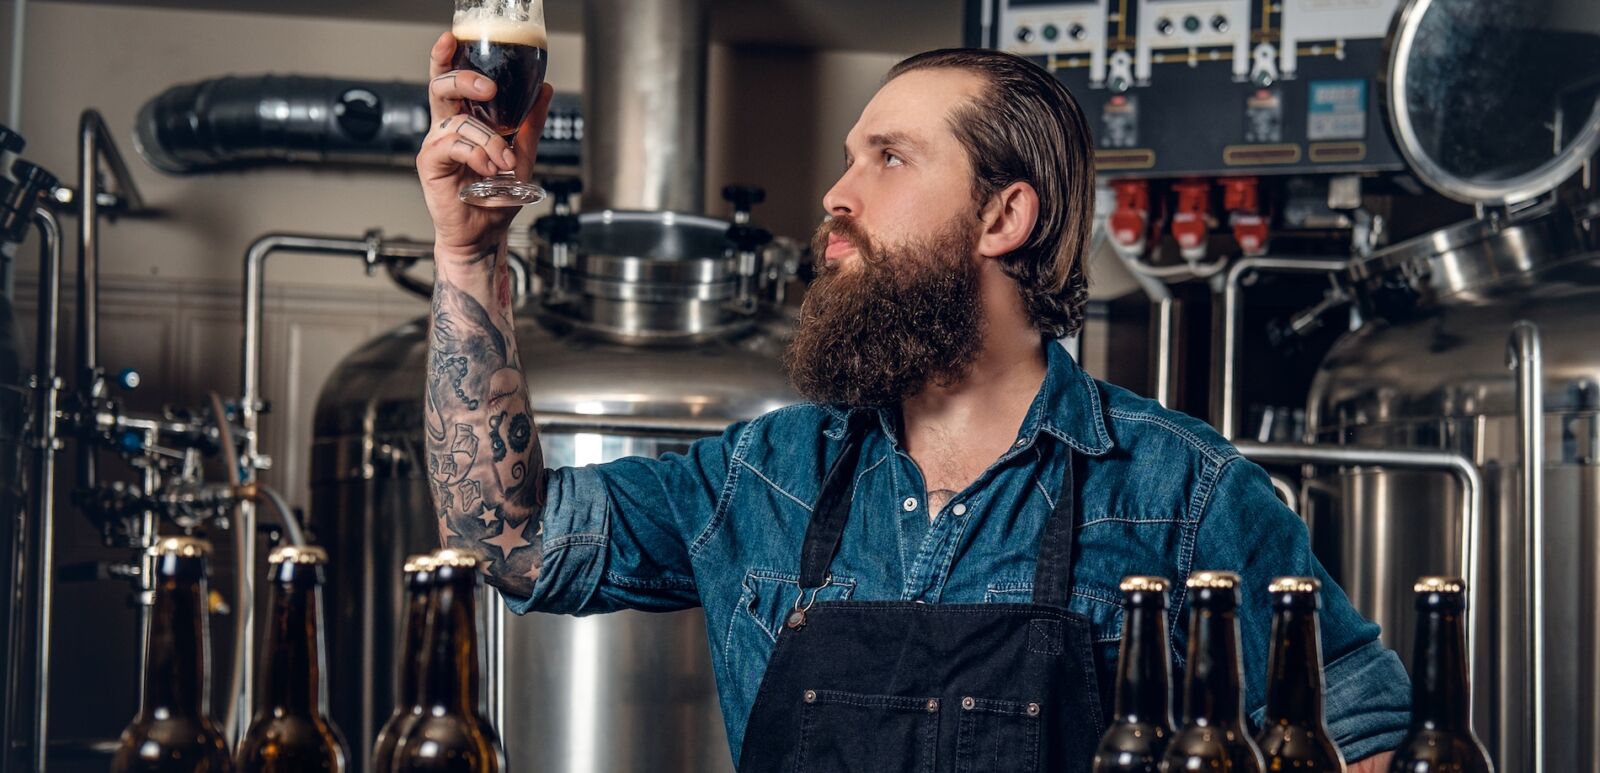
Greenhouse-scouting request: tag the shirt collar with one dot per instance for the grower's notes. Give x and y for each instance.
(1067, 407)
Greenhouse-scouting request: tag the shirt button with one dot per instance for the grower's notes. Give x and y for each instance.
(910, 504)
(959, 509)
(1021, 441)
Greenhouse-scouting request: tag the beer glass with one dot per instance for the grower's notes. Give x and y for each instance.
(505, 40)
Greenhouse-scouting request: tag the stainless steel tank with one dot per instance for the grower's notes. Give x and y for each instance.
(616, 367)
(1493, 104)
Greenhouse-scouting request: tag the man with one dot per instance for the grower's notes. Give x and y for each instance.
(920, 566)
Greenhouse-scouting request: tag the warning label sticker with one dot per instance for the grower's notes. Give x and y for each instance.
(1337, 111)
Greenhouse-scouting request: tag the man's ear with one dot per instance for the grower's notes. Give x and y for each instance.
(1008, 220)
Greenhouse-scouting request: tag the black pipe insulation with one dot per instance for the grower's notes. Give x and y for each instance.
(236, 122)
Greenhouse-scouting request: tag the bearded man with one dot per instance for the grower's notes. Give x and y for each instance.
(919, 568)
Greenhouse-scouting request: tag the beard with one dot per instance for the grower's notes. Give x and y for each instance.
(901, 318)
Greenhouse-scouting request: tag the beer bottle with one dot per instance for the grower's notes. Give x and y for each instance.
(291, 730)
(451, 733)
(1142, 724)
(1214, 735)
(418, 578)
(1296, 736)
(173, 731)
(1441, 737)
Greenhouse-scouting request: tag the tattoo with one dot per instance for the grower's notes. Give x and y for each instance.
(488, 504)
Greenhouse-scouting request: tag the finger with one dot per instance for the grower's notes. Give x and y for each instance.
(447, 90)
(475, 132)
(527, 140)
(474, 156)
(444, 50)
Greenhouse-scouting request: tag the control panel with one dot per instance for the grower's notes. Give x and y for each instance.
(1212, 87)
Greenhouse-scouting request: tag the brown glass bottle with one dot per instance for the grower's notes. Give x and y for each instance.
(451, 734)
(1295, 735)
(291, 730)
(1441, 738)
(173, 731)
(418, 579)
(1141, 725)
(1214, 735)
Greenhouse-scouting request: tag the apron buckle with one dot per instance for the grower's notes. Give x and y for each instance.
(797, 616)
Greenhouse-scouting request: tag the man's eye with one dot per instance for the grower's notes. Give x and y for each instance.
(890, 159)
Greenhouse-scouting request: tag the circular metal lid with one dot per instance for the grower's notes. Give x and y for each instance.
(1494, 102)
(653, 247)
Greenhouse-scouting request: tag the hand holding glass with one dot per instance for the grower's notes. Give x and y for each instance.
(505, 40)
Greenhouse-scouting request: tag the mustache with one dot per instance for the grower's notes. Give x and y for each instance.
(845, 227)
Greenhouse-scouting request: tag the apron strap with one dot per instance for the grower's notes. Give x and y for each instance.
(1052, 575)
(832, 509)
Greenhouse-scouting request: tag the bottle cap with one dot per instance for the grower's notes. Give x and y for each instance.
(182, 547)
(1214, 579)
(1143, 584)
(1440, 585)
(455, 558)
(420, 562)
(1294, 585)
(296, 554)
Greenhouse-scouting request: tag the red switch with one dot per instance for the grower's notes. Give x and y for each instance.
(1241, 197)
(1131, 219)
(1189, 224)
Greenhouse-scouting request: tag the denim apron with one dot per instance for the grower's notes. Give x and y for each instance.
(903, 687)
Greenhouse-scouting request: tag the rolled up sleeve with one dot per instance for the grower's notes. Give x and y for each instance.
(1247, 529)
(616, 535)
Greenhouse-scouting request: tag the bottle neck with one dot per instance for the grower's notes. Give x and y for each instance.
(291, 680)
(1211, 685)
(1294, 674)
(450, 677)
(1144, 672)
(408, 691)
(1440, 693)
(177, 657)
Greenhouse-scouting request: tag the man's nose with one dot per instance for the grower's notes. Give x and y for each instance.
(842, 198)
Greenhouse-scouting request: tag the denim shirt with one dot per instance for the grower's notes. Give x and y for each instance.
(1162, 493)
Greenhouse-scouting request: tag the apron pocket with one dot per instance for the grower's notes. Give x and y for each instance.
(998, 737)
(843, 732)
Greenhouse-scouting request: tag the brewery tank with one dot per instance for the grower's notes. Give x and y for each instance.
(1467, 84)
(642, 352)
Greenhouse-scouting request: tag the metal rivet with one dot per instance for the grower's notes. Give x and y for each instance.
(933, 705)
(959, 509)
(811, 696)
(910, 504)
(967, 703)
(1021, 441)
(1033, 709)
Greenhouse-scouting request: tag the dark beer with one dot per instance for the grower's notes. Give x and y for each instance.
(1214, 735)
(1142, 723)
(1441, 738)
(418, 579)
(291, 731)
(173, 731)
(451, 734)
(1295, 735)
(510, 53)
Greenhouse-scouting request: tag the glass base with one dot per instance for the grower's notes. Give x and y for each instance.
(501, 191)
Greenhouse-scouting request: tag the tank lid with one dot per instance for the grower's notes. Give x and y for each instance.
(1494, 103)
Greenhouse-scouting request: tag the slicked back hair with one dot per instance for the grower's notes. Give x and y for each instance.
(1025, 126)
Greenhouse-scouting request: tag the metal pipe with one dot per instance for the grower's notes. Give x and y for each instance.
(94, 143)
(1524, 355)
(19, 37)
(1165, 319)
(622, 424)
(1286, 492)
(44, 473)
(644, 99)
(1458, 465)
(1227, 411)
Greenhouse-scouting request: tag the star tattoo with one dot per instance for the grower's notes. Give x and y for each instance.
(510, 538)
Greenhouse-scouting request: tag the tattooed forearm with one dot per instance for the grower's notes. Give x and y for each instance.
(485, 467)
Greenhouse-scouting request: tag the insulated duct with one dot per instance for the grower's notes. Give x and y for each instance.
(644, 75)
(243, 121)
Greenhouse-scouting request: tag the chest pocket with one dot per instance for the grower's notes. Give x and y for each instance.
(1103, 608)
(768, 597)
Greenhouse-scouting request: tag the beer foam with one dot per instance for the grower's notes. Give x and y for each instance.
(486, 24)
